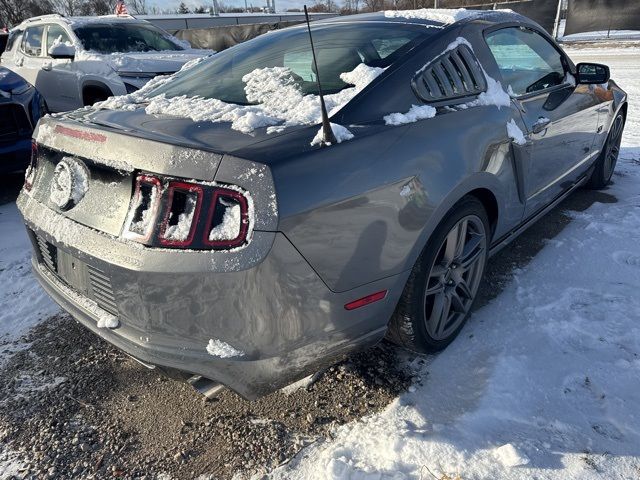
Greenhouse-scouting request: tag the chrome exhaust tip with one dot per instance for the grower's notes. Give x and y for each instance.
(205, 386)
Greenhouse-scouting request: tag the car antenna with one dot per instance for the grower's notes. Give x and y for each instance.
(328, 137)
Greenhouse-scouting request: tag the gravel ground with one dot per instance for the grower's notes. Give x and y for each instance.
(73, 406)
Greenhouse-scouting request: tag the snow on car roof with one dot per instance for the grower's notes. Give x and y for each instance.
(83, 19)
(429, 16)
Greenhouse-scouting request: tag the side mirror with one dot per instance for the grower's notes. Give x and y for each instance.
(62, 50)
(589, 73)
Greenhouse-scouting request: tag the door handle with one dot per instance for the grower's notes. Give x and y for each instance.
(540, 125)
(46, 66)
(19, 62)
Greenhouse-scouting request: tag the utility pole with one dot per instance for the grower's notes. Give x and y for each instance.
(556, 24)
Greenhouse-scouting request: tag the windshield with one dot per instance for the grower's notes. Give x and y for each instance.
(340, 48)
(124, 38)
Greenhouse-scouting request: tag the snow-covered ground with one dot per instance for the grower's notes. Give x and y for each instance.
(22, 302)
(544, 382)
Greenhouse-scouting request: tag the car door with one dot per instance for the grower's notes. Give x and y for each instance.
(58, 81)
(561, 117)
(28, 59)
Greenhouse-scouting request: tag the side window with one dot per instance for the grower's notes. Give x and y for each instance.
(32, 41)
(13, 36)
(56, 34)
(527, 61)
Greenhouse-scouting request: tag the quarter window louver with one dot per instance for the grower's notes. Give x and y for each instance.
(453, 75)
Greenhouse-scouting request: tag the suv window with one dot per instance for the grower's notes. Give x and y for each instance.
(527, 61)
(56, 34)
(32, 41)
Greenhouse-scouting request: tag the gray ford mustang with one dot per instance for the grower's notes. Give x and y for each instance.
(207, 225)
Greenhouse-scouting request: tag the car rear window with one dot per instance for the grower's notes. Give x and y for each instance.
(340, 48)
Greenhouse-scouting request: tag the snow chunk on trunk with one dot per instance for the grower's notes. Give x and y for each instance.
(341, 133)
(415, 113)
(515, 133)
(509, 456)
(218, 348)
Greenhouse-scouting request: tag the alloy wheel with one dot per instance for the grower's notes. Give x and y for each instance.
(454, 277)
(613, 147)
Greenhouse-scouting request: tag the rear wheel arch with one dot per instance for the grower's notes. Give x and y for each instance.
(94, 91)
(490, 203)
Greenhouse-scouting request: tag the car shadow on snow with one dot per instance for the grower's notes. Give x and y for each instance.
(10, 185)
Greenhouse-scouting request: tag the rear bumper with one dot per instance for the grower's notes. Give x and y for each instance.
(171, 303)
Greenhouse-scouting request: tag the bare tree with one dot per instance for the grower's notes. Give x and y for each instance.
(137, 7)
(12, 12)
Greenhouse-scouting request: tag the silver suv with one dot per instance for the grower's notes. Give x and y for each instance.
(77, 61)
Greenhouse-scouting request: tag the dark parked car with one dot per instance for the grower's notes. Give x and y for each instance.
(206, 224)
(21, 106)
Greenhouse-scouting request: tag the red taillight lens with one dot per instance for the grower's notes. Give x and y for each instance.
(361, 302)
(179, 204)
(144, 208)
(30, 174)
(228, 220)
(181, 216)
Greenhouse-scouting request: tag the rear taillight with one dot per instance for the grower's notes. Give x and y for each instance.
(192, 215)
(228, 220)
(144, 208)
(30, 174)
(181, 215)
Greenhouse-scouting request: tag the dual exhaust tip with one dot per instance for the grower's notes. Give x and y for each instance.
(204, 386)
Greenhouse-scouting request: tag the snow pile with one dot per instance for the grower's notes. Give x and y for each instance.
(509, 456)
(515, 133)
(180, 231)
(439, 15)
(229, 228)
(494, 95)
(132, 100)
(280, 102)
(218, 348)
(341, 133)
(415, 113)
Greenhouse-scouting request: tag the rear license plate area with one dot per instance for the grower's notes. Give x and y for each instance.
(72, 271)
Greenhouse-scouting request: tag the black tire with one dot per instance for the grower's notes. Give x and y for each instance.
(93, 95)
(412, 323)
(606, 162)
